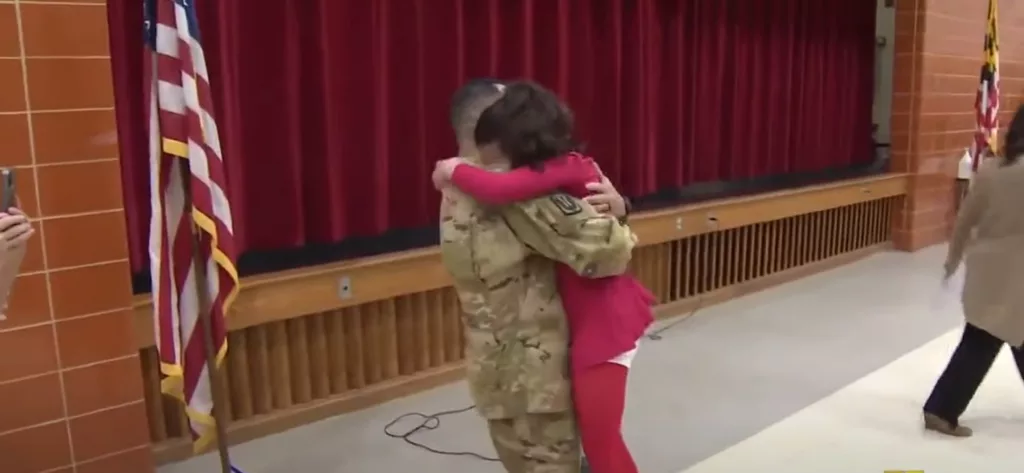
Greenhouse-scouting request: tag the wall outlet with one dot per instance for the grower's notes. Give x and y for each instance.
(344, 288)
(712, 222)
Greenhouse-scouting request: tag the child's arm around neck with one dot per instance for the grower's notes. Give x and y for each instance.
(498, 188)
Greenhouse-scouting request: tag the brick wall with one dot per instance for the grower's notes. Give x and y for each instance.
(70, 393)
(938, 57)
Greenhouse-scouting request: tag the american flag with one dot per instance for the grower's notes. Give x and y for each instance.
(191, 217)
(986, 105)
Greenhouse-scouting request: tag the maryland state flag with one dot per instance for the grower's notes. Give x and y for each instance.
(986, 106)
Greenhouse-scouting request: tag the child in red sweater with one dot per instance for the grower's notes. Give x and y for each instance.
(532, 129)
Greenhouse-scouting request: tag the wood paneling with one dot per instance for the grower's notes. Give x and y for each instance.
(301, 350)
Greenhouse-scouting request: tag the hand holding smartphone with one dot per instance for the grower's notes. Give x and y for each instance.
(10, 260)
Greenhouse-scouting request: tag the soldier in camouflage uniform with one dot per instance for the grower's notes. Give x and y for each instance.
(516, 333)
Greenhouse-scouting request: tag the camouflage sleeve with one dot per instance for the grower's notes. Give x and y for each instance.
(566, 229)
(456, 239)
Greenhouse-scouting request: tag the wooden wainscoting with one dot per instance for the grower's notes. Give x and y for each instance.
(317, 342)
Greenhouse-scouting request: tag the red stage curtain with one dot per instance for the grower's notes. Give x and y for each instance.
(332, 112)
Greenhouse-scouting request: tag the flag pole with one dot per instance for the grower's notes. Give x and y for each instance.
(217, 388)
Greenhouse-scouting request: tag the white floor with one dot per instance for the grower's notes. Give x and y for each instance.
(874, 425)
(823, 375)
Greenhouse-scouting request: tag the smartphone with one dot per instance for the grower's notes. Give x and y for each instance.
(7, 192)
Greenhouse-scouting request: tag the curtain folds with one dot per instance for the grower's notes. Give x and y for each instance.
(332, 112)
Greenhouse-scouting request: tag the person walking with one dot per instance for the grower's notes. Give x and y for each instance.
(989, 236)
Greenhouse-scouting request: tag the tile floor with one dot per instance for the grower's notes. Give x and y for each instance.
(873, 425)
(823, 374)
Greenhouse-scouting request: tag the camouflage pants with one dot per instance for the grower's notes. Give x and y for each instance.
(537, 443)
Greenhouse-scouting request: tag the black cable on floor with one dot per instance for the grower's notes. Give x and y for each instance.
(433, 421)
(656, 334)
(430, 422)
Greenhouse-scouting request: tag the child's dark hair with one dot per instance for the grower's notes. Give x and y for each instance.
(529, 124)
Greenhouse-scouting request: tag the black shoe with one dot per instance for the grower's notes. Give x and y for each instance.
(937, 424)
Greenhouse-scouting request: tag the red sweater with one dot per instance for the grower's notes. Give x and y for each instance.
(607, 315)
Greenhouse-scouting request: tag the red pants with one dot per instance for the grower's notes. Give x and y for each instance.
(600, 397)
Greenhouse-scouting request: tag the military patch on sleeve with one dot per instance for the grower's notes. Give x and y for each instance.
(566, 204)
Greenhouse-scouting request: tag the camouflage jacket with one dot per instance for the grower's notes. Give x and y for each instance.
(515, 328)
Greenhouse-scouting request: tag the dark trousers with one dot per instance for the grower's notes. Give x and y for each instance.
(967, 368)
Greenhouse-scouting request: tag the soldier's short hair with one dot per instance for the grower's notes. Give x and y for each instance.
(469, 101)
